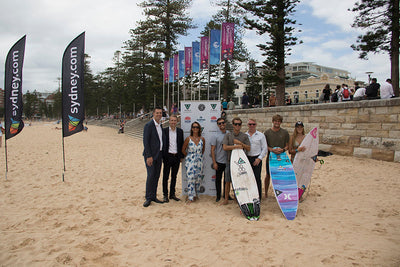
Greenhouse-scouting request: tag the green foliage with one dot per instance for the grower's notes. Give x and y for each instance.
(375, 16)
(273, 18)
(165, 21)
(229, 11)
(253, 81)
(380, 19)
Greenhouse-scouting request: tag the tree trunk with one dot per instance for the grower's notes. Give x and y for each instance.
(394, 55)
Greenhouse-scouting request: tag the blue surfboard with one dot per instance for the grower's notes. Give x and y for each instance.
(284, 184)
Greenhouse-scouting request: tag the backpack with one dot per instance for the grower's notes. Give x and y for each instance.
(346, 93)
(335, 97)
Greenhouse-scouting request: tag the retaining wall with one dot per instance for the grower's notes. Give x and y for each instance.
(365, 129)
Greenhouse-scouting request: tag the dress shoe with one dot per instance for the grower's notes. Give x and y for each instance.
(174, 198)
(146, 203)
(166, 200)
(217, 199)
(158, 201)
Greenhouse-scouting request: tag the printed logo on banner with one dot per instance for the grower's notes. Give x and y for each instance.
(201, 119)
(213, 108)
(201, 107)
(188, 119)
(73, 122)
(14, 126)
(213, 119)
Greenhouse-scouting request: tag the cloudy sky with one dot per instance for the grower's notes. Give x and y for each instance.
(50, 25)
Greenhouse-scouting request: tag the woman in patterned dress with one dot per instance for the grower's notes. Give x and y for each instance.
(193, 149)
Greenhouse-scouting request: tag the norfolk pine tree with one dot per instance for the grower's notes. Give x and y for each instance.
(381, 19)
(273, 18)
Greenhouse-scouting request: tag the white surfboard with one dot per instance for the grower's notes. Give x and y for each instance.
(244, 185)
(304, 162)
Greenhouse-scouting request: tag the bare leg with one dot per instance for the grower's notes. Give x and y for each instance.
(227, 189)
(267, 181)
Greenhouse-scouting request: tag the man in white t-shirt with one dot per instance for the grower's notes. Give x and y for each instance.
(359, 94)
(387, 89)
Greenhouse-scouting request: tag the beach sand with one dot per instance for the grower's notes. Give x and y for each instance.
(351, 215)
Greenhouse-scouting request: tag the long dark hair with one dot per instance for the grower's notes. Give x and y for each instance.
(191, 131)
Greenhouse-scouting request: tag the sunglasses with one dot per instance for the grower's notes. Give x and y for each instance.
(220, 123)
(195, 127)
(237, 124)
(251, 124)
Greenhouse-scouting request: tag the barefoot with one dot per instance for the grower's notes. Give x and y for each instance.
(188, 202)
(225, 202)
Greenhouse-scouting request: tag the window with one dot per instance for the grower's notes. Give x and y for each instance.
(306, 94)
(317, 93)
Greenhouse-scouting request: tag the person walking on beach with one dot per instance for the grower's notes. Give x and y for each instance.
(234, 140)
(278, 142)
(193, 150)
(258, 150)
(152, 143)
(219, 156)
(172, 156)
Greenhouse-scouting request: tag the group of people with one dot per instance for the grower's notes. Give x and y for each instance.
(343, 93)
(167, 146)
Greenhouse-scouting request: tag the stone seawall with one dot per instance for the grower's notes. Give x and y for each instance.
(365, 129)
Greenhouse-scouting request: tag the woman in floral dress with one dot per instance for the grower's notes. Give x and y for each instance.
(193, 149)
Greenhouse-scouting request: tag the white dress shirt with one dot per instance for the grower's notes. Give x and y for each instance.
(173, 147)
(259, 146)
(159, 131)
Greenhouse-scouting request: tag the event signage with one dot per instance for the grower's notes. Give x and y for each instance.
(215, 47)
(227, 40)
(13, 89)
(73, 109)
(206, 114)
(204, 52)
(195, 56)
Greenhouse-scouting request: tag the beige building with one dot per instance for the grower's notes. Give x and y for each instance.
(310, 89)
(305, 81)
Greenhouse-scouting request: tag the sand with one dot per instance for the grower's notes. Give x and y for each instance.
(96, 218)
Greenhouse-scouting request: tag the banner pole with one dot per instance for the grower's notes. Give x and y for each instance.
(219, 82)
(63, 159)
(5, 147)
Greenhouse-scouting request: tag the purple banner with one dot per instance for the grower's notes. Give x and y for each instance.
(227, 40)
(204, 52)
(188, 60)
(176, 67)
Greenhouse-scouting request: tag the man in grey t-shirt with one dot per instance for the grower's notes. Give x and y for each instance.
(278, 142)
(235, 140)
(219, 155)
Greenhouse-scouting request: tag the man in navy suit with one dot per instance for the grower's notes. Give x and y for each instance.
(172, 156)
(152, 143)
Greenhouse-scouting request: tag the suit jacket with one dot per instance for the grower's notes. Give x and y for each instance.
(179, 141)
(151, 141)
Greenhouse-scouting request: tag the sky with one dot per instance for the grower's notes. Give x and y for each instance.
(51, 25)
